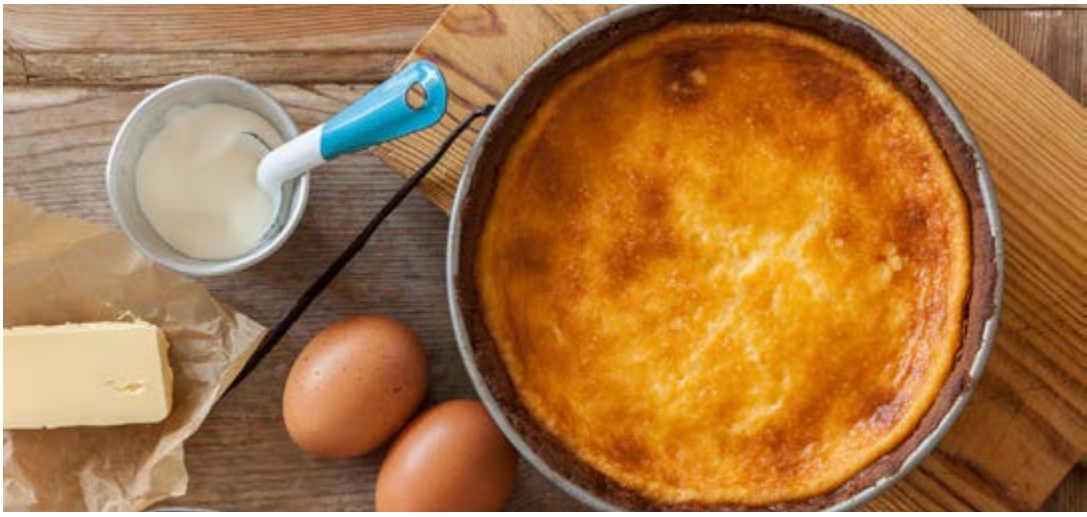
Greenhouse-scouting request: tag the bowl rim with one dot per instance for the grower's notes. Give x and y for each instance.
(508, 102)
(202, 267)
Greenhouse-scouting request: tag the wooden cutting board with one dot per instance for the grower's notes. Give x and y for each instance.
(1026, 425)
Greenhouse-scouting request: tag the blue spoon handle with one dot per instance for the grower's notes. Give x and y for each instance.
(384, 114)
(381, 115)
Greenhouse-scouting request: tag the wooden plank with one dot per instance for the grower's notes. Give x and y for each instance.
(1071, 496)
(14, 66)
(1054, 40)
(99, 45)
(106, 68)
(1027, 425)
(217, 28)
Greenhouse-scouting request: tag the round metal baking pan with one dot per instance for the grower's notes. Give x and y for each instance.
(483, 363)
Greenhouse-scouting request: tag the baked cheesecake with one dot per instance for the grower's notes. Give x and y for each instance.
(726, 264)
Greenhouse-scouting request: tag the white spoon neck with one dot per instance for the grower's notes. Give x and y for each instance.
(290, 160)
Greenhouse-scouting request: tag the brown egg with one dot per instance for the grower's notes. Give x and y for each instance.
(450, 458)
(353, 386)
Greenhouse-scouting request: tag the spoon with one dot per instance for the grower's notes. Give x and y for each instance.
(412, 100)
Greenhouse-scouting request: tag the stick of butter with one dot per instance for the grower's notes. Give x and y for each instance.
(99, 374)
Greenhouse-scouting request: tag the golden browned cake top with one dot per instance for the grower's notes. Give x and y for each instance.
(726, 264)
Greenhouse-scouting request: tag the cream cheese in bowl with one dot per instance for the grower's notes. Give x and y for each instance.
(196, 181)
(168, 192)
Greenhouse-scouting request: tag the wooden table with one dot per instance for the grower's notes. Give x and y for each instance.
(71, 74)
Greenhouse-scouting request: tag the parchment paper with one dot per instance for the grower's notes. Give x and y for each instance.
(59, 270)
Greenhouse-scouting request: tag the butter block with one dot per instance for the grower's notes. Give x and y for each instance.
(93, 374)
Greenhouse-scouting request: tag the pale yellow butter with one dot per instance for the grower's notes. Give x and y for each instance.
(94, 374)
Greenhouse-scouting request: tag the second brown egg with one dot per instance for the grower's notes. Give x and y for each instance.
(450, 458)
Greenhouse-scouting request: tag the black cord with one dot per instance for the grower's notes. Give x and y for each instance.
(334, 269)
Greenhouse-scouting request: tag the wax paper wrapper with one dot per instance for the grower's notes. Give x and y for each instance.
(59, 270)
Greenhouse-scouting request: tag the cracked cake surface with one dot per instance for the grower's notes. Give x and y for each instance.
(726, 263)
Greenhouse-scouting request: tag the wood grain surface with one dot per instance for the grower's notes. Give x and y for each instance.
(72, 73)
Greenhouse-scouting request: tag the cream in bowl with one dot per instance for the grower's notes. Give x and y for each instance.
(195, 181)
(182, 183)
